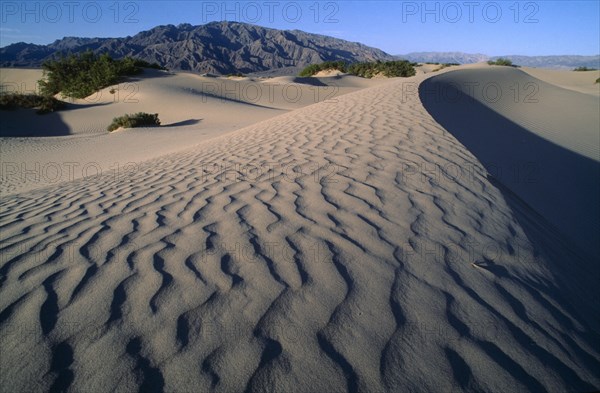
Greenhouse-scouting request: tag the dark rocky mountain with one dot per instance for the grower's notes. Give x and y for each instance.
(216, 47)
(558, 62)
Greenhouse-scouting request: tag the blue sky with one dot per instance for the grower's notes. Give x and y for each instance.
(489, 27)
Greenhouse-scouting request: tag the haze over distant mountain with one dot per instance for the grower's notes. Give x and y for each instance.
(558, 61)
(444, 57)
(216, 47)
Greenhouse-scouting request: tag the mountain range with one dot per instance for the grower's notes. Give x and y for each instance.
(233, 47)
(557, 62)
(216, 47)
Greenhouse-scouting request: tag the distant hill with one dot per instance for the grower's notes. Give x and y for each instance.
(444, 57)
(557, 62)
(216, 47)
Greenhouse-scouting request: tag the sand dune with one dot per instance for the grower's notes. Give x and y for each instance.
(192, 109)
(580, 81)
(427, 68)
(350, 245)
(345, 82)
(539, 140)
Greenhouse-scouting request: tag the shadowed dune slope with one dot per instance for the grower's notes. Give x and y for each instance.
(352, 245)
(538, 140)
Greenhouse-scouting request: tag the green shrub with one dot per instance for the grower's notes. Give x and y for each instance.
(79, 75)
(328, 65)
(391, 69)
(43, 104)
(598, 80)
(584, 69)
(445, 65)
(501, 62)
(365, 70)
(310, 70)
(139, 119)
(144, 64)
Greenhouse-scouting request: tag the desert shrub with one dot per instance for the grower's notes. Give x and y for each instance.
(501, 62)
(139, 119)
(584, 69)
(445, 65)
(598, 80)
(366, 70)
(43, 104)
(235, 74)
(144, 64)
(79, 75)
(310, 70)
(397, 68)
(328, 65)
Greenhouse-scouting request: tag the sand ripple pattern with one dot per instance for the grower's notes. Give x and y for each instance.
(351, 245)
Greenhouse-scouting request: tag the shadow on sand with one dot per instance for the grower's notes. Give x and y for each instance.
(27, 123)
(554, 194)
(559, 184)
(21, 123)
(188, 122)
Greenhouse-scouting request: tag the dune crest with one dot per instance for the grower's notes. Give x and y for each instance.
(539, 140)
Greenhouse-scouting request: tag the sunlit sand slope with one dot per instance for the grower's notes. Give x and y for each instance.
(37, 151)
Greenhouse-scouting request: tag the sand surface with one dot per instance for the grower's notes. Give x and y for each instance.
(350, 245)
(580, 81)
(67, 145)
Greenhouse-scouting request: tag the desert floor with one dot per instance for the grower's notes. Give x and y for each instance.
(433, 233)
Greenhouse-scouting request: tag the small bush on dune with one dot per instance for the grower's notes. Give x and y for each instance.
(390, 69)
(445, 65)
(144, 64)
(139, 119)
(310, 70)
(79, 75)
(328, 65)
(43, 104)
(598, 80)
(366, 69)
(501, 62)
